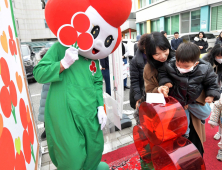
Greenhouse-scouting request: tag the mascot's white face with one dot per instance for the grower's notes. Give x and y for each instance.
(105, 36)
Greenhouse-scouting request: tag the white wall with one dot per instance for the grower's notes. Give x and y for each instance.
(130, 23)
(169, 7)
(30, 20)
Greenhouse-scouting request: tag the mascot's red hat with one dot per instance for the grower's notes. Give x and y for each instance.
(114, 12)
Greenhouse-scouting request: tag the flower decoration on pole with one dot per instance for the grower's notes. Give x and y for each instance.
(77, 33)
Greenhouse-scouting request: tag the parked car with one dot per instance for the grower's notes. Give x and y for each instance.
(189, 37)
(48, 45)
(29, 60)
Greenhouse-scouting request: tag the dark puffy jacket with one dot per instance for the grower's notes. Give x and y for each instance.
(203, 43)
(218, 41)
(45, 90)
(135, 47)
(136, 78)
(188, 87)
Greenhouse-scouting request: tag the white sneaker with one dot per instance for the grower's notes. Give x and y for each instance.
(217, 136)
(219, 155)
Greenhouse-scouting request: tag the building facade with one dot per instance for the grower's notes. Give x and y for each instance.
(181, 16)
(30, 21)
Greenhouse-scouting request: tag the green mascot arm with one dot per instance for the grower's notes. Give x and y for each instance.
(48, 68)
(99, 85)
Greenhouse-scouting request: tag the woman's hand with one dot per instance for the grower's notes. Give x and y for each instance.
(201, 47)
(209, 99)
(61, 68)
(212, 126)
(185, 107)
(164, 90)
(137, 103)
(169, 85)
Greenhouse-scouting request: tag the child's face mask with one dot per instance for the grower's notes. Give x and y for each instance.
(183, 70)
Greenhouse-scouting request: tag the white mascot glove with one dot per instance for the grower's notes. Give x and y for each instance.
(102, 116)
(70, 57)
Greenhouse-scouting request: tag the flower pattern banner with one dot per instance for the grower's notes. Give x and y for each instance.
(19, 145)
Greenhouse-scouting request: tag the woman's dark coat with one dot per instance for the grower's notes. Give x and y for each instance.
(136, 78)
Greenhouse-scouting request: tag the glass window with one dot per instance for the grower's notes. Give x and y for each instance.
(195, 21)
(153, 1)
(25, 51)
(158, 25)
(167, 25)
(145, 27)
(155, 25)
(46, 25)
(174, 24)
(142, 3)
(185, 38)
(185, 22)
(142, 28)
(214, 18)
(219, 18)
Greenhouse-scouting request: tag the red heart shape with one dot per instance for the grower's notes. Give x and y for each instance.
(68, 35)
(12, 47)
(85, 41)
(81, 22)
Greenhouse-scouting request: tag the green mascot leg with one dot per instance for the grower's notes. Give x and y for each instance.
(102, 166)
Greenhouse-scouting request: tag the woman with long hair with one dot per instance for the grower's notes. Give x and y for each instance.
(214, 57)
(201, 42)
(219, 39)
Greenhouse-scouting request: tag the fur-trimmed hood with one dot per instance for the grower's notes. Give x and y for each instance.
(198, 39)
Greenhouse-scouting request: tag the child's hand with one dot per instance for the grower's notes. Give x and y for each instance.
(169, 85)
(185, 107)
(164, 90)
(209, 99)
(212, 126)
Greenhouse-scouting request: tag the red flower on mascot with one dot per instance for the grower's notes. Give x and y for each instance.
(93, 26)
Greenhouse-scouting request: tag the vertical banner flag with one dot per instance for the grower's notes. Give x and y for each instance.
(19, 145)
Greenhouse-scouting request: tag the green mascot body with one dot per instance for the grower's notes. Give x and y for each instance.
(74, 112)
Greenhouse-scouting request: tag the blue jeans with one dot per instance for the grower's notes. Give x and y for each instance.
(106, 77)
(125, 80)
(201, 112)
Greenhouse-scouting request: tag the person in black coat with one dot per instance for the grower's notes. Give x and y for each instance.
(219, 39)
(106, 75)
(201, 42)
(136, 73)
(214, 57)
(176, 41)
(136, 43)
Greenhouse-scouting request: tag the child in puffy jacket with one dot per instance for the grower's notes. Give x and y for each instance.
(216, 120)
(188, 76)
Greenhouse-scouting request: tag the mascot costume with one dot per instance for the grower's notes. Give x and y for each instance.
(87, 30)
